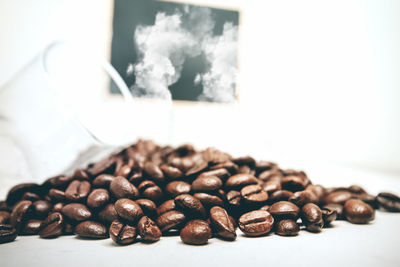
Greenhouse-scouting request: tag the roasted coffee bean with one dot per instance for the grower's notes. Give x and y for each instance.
(338, 197)
(105, 166)
(176, 188)
(128, 210)
(311, 216)
(284, 210)
(4, 206)
(52, 226)
(198, 166)
(148, 230)
(256, 223)
(20, 214)
(136, 177)
(215, 156)
(280, 195)
(124, 171)
(369, 199)
(4, 217)
(150, 190)
(108, 214)
(77, 190)
(293, 183)
(357, 211)
(254, 194)
(234, 198)
(222, 224)
(196, 232)
(80, 174)
(171, 171)
(30, 196)
(16, 192)
(271, 175)
(170, 220)
(272, 186)
(389, 201)
(287, 227)
(120, 187)
(246, 169)
(335, 207)
(103, 180)
(222, 174)
(209, 200)
(206, 184)
(56, 195)
(91, 229)
(122, 234)
(31, 227)
(154, 172)
(328, 216)
(98, 198)
(58, 182)
(190, 205)
(356, 189)
(265, 207)
(246, 160)
(300, 198)
(166, 206)
(7, 233)
(240, 180)
(231, 167)
(318, 190)
(76, 212)
(58, 207)
(41, 208)
(148, 207)
(263, 165)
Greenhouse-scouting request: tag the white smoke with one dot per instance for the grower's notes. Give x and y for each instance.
(163, 47)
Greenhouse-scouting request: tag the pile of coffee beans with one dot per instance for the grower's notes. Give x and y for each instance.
(146, 191)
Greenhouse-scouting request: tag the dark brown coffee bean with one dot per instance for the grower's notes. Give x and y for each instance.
(98, 198)
(150, 190)
(80, 174)
(16, 192)
(199, 165)
(270, 175)
(30, 196)
(215, 156)
(206, 184)
(234, 198)
(284, 210)
(153, 171)
(190, 205)
(338, 197)
(311, 216)
(300, 198)
(148, 207)
(357, 211)
(52, 226)
(120, 187)
(31, 227)
(77, 190)
(369, 199)
(136, 177)
(103, 180)
(263, 165)
(128, 210)
(293, 183)
(222, 224)
(328, 216)
(256, 223)
(272, 186)
(148, 230)
(335, 207)
(122, 234)
(265, 207)
(356, 189)
(171, 171)
(222, 174)
(240, 180)
(231, 167)
(287, 228)
(106, 165)
(247, 170)
(76, 212)
(389, 201)
(56, 195)
(20, 214)
(4, 217)
(176, 188)
(59, 182)
(124, 171)
(245, 160)
(254, 194)
(166, 206)
(318, 190)
(280, 195)
(209, 200)
(41, 208)
(58, 207)
(196, 232)
(170, 220)
(91, 229)
(108, 214)
(7, 233)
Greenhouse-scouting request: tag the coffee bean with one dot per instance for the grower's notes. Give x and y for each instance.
(77, 190)
(124, 171)
(300, 198)
(357, 211)
(56, 195)
(246, 169)
(190, 205)
(166, 206)
(76, 212)
(91, 229)
(280, 195)
(16, 192)
(270, 175)
(254, 194)
(265, 207)
(240, 180)
(171, 171)
(148, 230)
(31, 227)
(287, 227)
(30, 196)
(58, 207)
(318, 190)
(311, 216)
(369, 199)
(5, 207)
(246, 160)
(222, 224)
(196, 232)
(231, 167)
(108, 214)
(58, 182)
(154, 172)
(4, 217)
(7, 233)
(284, 210)
(120, 187)
(221, 173)
(80, 174)
(106, 165)
(52, 226)
(20, 214)
(148, 207)
(41, 208)
(389, 201)
(150, 190)
(199, 165)
(209, 200)
(98, 198)
(122, 234)
(206, 184)
(328, 216)
(176, 188)
(234, 198)
(338, 197)
(128, 210)
(356, 189)
(335, 207)
(256, 223)
(293, 183)
(170, 220)
(103, 180)
(272, 186)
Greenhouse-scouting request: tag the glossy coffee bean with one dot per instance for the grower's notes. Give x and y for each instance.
(269, 175)
(338, 197)
(76, 212)
(254, 194)
(206, 184)
(356, 189)
(171, 171)
(7, 233)
(271, 186)
(176, 188)
(77, 190)
(120, 187)
(148, 207)
(198, 166)
(264, 165)
(20, 214)
(318, 190)
(300, 198)
(287, 227)
(311, 216)
(284, 210)
(58, 182)
(57, 195)
(222, 224)
(256, 223)
(41, 208)
(234, 198)
(58, 207)
(108, 214)
(335, 207)
(240, 180)
(388, 201)
(124, 171)
(103, 180)
(166, 206)
(122, 234)
(190, 205)
(245, 160)
(150, 190)
(98, 198)
(209, 200)
(15, 194)
(30, 196)
(357, 211)
(80, 174)
(91, 229)
(328, 216)
(293, 183)
(170, 220)
(128, 210)
(154, 172)
(52, 226)
(148, 229)
(196, 232)
(221, 173)
(369, 199)
(4, 217)
(31, 227)
(280, 195)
